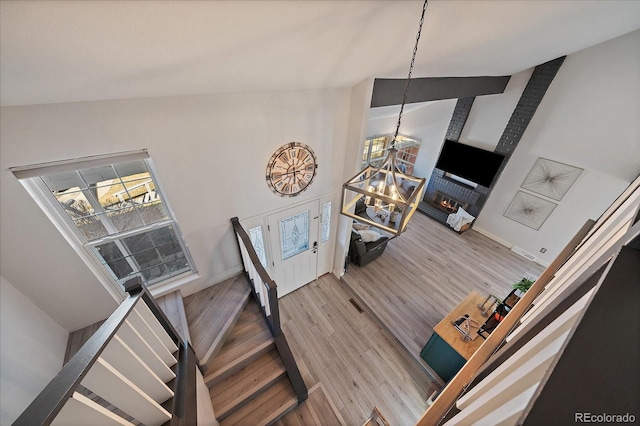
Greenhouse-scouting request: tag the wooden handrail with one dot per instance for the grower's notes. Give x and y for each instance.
(48, 404)
(242, 234)
(184, 408)
(292, 367)
(274, 318)
(450, 394)
(272, 288)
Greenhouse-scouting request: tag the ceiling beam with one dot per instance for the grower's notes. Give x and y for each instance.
(389, 91)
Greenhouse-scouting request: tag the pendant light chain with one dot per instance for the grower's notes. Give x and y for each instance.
(406, 87)
(386, 196)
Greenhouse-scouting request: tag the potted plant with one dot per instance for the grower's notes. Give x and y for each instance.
(519, 289)
(523, 285)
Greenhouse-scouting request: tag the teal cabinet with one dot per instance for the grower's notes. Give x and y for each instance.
(441, 357)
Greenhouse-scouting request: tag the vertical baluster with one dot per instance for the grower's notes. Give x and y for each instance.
(265, 292)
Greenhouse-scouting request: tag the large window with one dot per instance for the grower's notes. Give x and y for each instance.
(376, 150)
(118, 213)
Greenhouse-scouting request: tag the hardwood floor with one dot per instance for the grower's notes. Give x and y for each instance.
(206, 319)
(421, 276)
(426, 272)
(356, 361)
(318, 409)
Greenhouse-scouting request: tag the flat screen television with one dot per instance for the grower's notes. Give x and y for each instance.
(469, 162)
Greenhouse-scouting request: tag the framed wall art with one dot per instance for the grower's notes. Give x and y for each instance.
(529, 210)
(550, 178)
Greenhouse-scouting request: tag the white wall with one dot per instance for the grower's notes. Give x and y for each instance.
(210, 153)
(427, 121)
(352, 155)
(490, 114)
(588, 119)
(32, 347)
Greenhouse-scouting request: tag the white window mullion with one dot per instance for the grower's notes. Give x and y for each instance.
(127, 256)
(154, 248)
(97, 207)
(132, 232)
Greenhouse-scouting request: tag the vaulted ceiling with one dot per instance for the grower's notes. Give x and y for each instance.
(69, 51)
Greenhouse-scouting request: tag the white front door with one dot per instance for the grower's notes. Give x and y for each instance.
(294, 244)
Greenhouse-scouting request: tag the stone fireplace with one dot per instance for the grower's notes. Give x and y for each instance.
(448, 203)
(444, 195)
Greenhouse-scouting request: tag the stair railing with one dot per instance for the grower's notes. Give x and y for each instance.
(126, 365)
(265, 292)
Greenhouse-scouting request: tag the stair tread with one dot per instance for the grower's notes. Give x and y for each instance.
(250, 314)
(249, 323)
(212, 312)
(238, 350)
(245, 383)
(250, 331)
(266, 407)
(224, 370)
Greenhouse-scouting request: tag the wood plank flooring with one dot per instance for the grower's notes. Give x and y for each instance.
(318, 409)
(426, 272)
(358, 363)
(207, 319)
(421, 276)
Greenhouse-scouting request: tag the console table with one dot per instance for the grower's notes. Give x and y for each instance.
(447, 351)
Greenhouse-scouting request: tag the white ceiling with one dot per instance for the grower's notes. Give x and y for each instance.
(68, 51)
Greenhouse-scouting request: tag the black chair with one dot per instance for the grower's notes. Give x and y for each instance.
(362, 253)
(361, 207)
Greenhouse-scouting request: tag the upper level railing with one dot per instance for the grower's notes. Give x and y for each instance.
(265, 292)
(126, 372)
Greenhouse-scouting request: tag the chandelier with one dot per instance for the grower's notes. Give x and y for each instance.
(384, 196)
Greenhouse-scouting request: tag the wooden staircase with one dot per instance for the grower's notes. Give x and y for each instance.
(247, 380)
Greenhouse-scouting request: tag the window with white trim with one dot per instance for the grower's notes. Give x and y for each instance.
(116, 210)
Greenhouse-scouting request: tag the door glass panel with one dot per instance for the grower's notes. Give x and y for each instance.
(294, 234)
(258, 244)
(326, 222)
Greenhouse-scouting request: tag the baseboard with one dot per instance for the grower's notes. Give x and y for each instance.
(493, 237)
(199, 285)
(512, 247)
(163, 289)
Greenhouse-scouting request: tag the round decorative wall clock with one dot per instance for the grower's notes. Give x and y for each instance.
(291, 169)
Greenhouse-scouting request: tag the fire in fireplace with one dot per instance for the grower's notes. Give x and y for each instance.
(448, 203)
